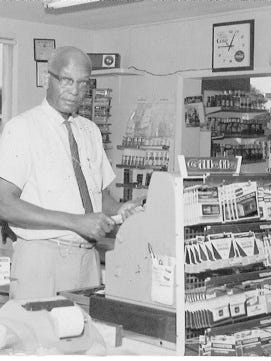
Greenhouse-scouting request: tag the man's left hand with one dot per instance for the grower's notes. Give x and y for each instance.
(129, 208)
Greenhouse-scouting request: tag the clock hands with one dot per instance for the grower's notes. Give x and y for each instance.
(230, 46)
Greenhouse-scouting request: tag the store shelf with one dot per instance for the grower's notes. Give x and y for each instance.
(214, 110)
(101, 123)
(114, 72)
(96, 107)
(238, 227)
(253, 161)
(140, 167)
(243, 177)
(240, 136)
(144, 147)
(131, 185)
(237, 278)
(101, 99)
(233, 226)
(100, 115)
(239, 275)
(98, 118)
(245, 324)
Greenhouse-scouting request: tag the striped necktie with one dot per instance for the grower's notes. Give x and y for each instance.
(81, 181)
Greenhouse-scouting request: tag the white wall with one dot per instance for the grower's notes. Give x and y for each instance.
(180, 45)
(26, 92)
(164, 48)
(1, 58)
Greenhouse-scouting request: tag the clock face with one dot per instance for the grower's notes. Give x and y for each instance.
(233, 46)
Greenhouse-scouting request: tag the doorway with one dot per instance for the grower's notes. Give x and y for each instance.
(1, 81)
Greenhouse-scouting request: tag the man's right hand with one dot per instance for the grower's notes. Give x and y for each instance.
(93, 225)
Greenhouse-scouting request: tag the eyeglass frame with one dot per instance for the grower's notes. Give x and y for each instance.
(71, 81)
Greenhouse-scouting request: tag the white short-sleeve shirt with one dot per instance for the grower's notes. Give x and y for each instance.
(35, 156)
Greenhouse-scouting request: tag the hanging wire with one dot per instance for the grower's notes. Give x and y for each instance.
(167, 74)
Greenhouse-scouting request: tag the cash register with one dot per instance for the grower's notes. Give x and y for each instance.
(140, 272)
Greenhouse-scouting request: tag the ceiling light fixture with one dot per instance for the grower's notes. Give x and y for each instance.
(58, 4)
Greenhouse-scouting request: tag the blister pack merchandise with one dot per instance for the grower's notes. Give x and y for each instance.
(226, 250)
(226, 203)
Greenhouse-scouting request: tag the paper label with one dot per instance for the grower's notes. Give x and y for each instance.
(4, 271)
(163, 273)
(245, 243)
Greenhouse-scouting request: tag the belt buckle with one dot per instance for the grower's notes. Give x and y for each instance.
(84, 245)
(87, 245)
(64, 248)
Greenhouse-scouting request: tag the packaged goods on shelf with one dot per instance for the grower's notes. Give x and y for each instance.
(201, 204)
(264, 198)
(245, 343)
(236, 99)
(239, 201)
(96, 106)
(224, 203)
(239, 123)
(220, 306)
(250, 342)
(220, 345)
(225, 250)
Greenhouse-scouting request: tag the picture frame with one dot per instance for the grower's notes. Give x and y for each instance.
(41, 73)
(233, 46)
(43, 49)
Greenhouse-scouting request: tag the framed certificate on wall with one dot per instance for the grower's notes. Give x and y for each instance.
(41, 73)
(43, 49)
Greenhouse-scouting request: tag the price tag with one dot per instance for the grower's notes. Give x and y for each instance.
(163, 274)
(4, 271)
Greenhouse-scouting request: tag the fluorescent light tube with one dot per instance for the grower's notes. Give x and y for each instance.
(57, 4)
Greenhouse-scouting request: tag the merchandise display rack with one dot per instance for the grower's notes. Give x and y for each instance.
(140, 157)
(232, 277)
(96, 106)
(238, 125)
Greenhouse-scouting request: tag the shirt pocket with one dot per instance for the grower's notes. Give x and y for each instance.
(95, 179)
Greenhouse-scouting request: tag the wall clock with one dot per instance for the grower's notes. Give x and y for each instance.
(233, 46)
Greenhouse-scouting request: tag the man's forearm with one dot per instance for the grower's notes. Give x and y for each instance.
(22, 214)
(25, 215)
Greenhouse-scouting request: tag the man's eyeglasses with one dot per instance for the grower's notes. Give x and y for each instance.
(65, 81)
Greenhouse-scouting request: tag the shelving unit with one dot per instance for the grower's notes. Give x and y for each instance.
(142, 167)
(238, 124)
(131, 185)
(227, 291)
(140, 157)
(97, 107)
(232, 111)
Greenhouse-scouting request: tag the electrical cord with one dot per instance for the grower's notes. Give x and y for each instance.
(166, 74)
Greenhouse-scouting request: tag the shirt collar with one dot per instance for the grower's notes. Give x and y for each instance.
(54, 114)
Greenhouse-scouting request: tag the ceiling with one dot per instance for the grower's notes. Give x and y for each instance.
(117, 13)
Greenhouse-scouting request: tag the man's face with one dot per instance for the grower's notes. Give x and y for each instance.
(68, 98)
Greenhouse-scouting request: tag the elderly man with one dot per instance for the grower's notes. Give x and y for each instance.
(53, 179)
